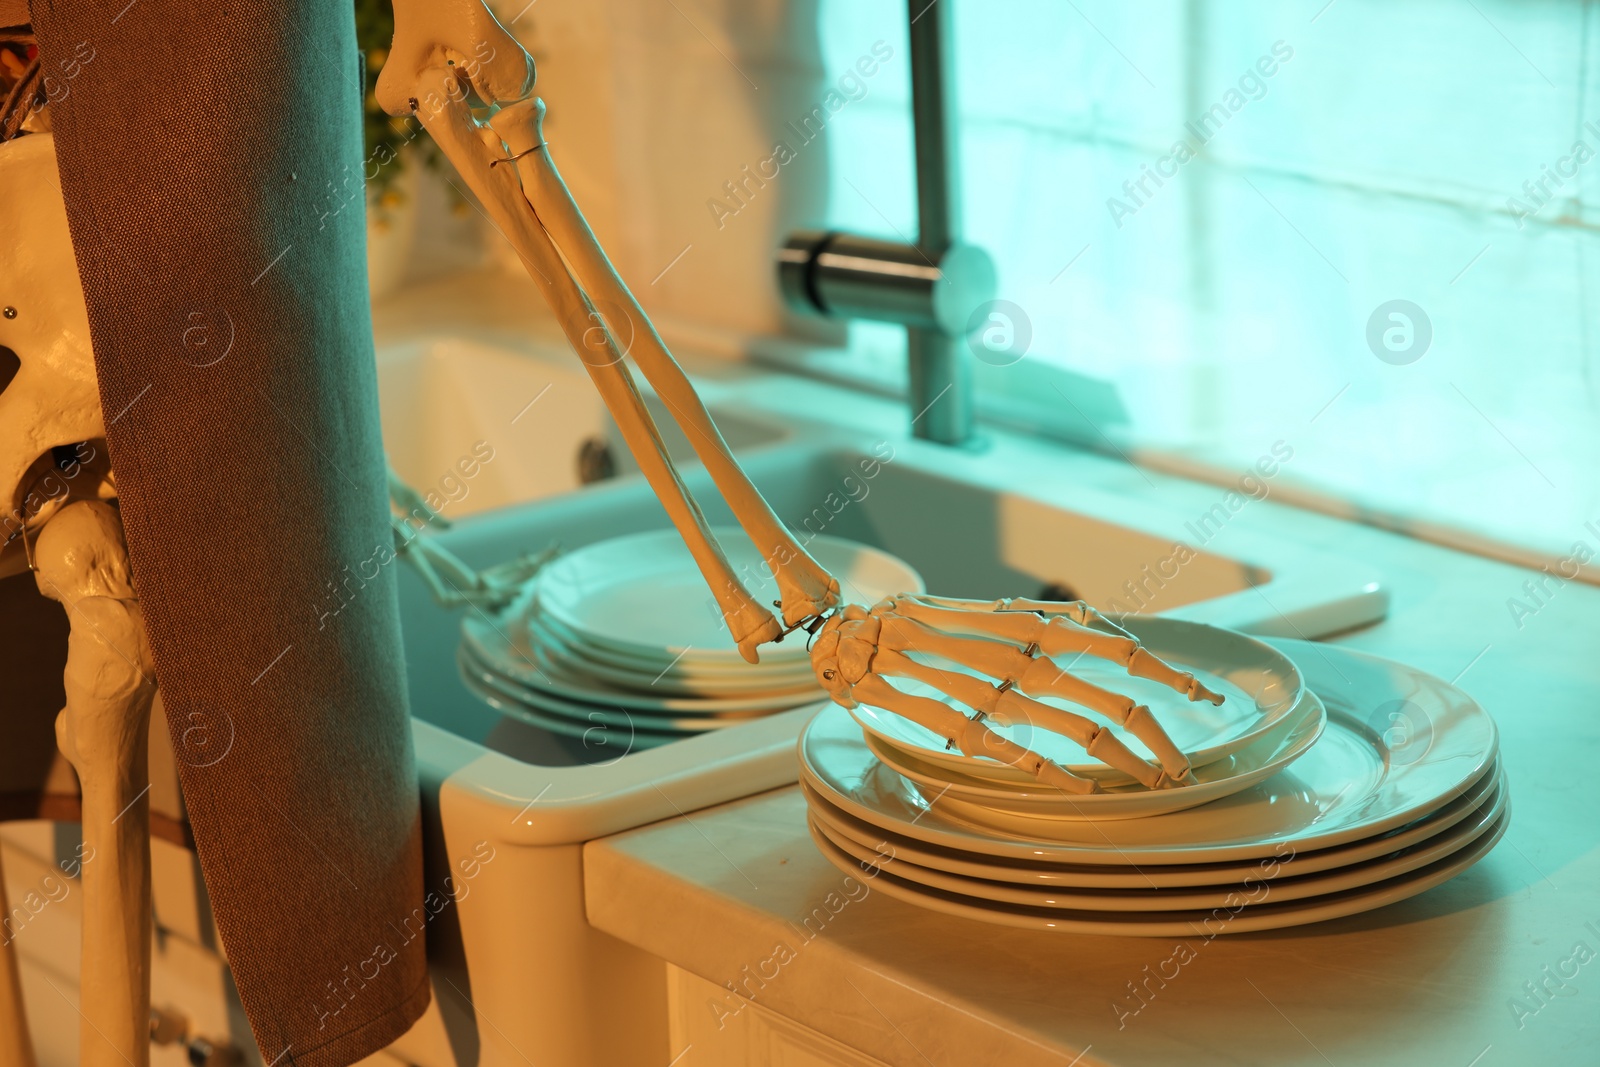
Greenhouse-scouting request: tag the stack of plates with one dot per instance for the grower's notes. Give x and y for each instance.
(624, 637)
(1375, 783)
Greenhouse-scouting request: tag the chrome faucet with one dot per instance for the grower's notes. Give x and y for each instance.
(932, 287)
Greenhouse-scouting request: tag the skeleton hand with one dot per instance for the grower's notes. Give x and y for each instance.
(1012, 641)
(452, 582)
(461, 36)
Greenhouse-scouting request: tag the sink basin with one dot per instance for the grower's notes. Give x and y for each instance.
(541, 417)
(518, 953)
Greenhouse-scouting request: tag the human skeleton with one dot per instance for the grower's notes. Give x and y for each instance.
(996, 658)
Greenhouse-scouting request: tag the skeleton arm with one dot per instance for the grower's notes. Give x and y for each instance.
(1012, 642)
(807, 590)
(444, 52)
(473, 150)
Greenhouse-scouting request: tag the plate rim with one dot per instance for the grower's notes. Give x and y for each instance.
(724, 534)
(1268, 916)
(1379, 868)
(633, 701)
(1102, 875)
(1286, 750)
(570, 710)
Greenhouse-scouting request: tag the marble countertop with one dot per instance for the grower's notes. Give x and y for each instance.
(1451, 977)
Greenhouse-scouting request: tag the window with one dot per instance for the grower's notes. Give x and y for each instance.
(1360, 229)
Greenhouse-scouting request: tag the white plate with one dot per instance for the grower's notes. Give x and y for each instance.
(1236, 917)
(508, 697)
(530, 625)
(592, 712)
(974, 798)
(1003, 777)
(1261, 684)
(592, 733)
(671, 681)
(1277, 882)
(1354, 783)
(1023, 872)
(643, 594)
(532, 667)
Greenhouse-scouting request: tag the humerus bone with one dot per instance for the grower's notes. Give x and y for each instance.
(81, 561)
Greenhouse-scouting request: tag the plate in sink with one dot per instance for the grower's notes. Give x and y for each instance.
(484, 679)
(542, 627)
(643, 595)
(1263, 688)
(675, 680)
(531, 666)
(591, 732)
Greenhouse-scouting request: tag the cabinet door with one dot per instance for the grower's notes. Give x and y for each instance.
(707, 1034)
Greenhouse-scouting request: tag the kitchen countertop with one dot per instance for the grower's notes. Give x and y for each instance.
(1431, 980)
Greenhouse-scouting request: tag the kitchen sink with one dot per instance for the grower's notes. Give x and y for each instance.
(965, 539)
(541, 418)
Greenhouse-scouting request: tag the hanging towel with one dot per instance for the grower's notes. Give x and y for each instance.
(210, 156)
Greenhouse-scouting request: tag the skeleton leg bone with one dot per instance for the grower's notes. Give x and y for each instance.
(468, 147)
(807, 589)
(82, 562)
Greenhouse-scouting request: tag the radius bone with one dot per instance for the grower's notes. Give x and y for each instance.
(807, 589)
(474, 151)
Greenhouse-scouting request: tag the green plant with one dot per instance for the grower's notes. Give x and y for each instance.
(390, 144)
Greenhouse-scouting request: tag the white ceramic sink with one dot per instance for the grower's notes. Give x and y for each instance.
(542, 418)
(525, 970)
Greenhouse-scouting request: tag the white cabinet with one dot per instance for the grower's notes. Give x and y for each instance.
(706, 1034)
